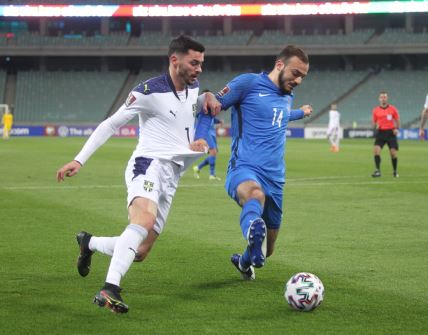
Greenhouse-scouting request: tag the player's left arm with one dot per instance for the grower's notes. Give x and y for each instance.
(297, 114)
(397, 122)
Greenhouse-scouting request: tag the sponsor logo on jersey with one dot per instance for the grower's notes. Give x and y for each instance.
(130, 100)
(224, 91)
(148, 186)
(173, 113)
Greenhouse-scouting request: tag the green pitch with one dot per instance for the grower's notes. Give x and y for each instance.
(365, 238)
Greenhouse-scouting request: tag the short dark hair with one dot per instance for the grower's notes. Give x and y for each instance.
(292, 51)
(182, 44)
(383, 92)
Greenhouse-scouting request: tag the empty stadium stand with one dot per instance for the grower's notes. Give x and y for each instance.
(404, 90)
(401, 36)
(35, 39)
(277, 37)
(82, 97)
(321, 88)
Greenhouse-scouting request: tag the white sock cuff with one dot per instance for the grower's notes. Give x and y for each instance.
(139, 229)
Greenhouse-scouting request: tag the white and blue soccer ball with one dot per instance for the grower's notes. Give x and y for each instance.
(304, 291)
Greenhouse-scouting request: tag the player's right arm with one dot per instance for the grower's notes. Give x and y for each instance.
(134, 104)
(236, 90)
(374, 119)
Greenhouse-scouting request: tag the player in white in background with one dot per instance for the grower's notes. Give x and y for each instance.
(165, 106)
(333, 133)
(424, 117)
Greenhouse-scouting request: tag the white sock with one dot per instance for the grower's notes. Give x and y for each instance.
(337, 141)
(105, 245)
(124, 252)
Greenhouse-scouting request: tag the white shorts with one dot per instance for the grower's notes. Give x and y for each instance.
(153, 179)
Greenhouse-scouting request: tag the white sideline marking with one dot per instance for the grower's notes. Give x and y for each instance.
(289, 183)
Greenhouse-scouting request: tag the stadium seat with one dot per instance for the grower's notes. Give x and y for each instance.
(402, 91)
(82, 97)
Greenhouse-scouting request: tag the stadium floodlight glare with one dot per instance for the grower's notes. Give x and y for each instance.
(268, 9)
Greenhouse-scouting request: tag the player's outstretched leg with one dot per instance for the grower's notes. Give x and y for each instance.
(85, 256)
(256, 238)
(109, 297)
(246, 274)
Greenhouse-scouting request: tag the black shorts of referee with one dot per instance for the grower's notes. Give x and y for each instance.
(388, 137)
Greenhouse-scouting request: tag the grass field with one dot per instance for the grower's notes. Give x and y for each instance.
(366, 239)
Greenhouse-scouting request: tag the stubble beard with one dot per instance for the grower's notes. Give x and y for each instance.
(281, 82)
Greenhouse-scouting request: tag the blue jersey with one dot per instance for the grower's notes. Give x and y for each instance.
(210, 131)
(260, 116)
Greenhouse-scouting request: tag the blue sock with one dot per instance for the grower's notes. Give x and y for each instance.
(250, 211)
(245, 260)
(204, 162)
(211, 160)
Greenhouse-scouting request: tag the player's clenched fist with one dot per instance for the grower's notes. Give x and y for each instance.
(199, 145)
(69, 170)
(307, 109)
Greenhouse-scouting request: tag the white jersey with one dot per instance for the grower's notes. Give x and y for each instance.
(426, 102)
(166, 120)
(334, 119)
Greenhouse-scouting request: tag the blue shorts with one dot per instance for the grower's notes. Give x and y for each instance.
(272, 212)
(212, 141)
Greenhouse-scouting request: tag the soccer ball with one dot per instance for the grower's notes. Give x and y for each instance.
(304, 291)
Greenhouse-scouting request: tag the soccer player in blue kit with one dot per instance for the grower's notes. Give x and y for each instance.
(261, 109)
(212, 147)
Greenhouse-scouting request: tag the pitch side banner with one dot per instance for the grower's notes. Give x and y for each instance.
(70, 131)
(295, 132)
(318, 133)
(66, 131)
(358, 133)
(410, 134)
(404, 134)
(26, 131)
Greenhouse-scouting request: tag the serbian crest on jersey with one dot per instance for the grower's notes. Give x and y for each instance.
(148, 185)
(224, 91)
(131, 98)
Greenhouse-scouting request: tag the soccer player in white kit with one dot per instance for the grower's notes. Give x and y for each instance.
(333, 134)
(424, 117)
(165, 106)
